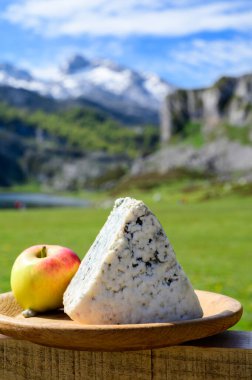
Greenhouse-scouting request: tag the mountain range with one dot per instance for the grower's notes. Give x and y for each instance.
(87, 126)
(126, 94)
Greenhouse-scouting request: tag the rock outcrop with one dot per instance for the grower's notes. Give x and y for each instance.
(223, 159)
(97, 170)
(229, 101)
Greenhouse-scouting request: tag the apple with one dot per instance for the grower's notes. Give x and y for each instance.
(40, 276)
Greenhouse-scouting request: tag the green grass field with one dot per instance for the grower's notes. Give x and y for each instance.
(212, 239)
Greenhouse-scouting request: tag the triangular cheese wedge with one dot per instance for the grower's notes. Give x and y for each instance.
(130, 274)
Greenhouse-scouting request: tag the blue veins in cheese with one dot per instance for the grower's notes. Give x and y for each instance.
(130, 274)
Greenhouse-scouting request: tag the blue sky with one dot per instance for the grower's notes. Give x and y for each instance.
(190, 43)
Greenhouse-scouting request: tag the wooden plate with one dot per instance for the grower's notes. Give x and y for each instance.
(55, 329)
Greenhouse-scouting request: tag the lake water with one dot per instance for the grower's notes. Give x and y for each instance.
(23, 200)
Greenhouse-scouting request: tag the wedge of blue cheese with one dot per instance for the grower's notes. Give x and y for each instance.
(130, 274)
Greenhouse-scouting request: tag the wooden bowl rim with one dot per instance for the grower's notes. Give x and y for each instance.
(236, 308)
(51, 330)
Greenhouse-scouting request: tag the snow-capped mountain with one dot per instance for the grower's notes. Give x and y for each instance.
(100, 82)
(81, 77)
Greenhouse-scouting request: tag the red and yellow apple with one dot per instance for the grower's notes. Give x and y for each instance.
(40, 276)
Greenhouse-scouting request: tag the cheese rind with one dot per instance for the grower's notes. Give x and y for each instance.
(130, 274)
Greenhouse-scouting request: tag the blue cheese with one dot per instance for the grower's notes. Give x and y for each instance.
(130, 274)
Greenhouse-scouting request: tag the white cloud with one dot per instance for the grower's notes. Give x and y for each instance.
(120, 18)
(205, 61)
(195, 62)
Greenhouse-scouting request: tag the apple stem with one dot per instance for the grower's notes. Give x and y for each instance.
(43, 252)
(29, 313)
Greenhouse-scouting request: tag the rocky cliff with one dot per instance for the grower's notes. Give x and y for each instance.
(220, 159)
(228, 101)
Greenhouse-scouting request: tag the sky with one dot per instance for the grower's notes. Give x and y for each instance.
(190, 43)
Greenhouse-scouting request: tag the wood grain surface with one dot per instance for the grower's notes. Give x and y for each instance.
(55, 329)
(226, 356)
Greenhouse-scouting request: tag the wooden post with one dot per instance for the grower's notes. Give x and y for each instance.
(224, 356)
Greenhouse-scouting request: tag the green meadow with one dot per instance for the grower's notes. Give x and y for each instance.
(212, 237)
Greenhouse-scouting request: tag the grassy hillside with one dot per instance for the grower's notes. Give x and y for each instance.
(212, 239)
(81, 129)
(192, 134)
